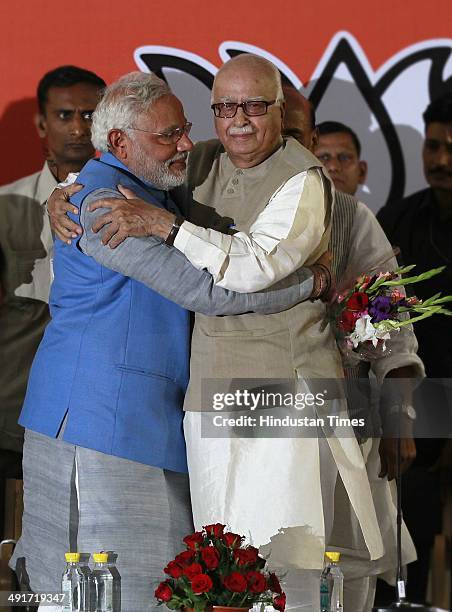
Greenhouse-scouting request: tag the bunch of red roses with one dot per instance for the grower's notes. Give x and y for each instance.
(218, 569)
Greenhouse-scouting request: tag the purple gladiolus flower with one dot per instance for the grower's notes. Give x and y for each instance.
(380, 308)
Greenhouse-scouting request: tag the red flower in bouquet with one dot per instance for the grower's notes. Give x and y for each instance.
(163, 592)
(215, 530)
(273, 583)
(236, 582)
(232, 540)
(195, 540)
(185, 558)
(173, 569)
(192, 570)
(245, 556)
(202, 583)
(348, 320)
(358, 301)
(211, 557)
(256, 581)
(279, 603)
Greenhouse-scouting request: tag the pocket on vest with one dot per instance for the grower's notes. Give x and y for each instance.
(143, 372)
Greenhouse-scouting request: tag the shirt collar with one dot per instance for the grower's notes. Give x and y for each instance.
(257, 172)
(111, 160)
(46, 184)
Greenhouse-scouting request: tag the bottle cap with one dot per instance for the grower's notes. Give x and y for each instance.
(333, 556)
(100, 557)
(72, 557)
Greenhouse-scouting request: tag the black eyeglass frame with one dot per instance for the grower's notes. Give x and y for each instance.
(216, 107)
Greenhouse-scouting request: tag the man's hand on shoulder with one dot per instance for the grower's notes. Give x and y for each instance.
(58, 206)
(131, 216)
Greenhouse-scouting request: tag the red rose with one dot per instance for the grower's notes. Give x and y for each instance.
(232, 540)
(235, 582)
(163, 592)
(358, 301)
(279, 603)
(348, 320)
(256, 582)
(244, 556)
(173, 569)
(274, 584)
(201, 584)
(211, 557)
(215, 530)
(192, 570)
(185, 558)
(194, 541)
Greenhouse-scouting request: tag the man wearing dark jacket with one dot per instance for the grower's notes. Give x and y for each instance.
(421, 225)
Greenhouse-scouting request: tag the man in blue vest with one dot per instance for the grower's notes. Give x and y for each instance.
(104, 456)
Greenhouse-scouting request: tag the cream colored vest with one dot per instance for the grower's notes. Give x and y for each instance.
(281, 345)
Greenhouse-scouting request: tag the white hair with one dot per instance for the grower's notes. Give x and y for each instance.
(256, 62)
(123, 101)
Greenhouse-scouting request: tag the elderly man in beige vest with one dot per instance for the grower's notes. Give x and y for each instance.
(279, 203)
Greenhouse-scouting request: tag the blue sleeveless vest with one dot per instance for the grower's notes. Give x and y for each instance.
(115, 354)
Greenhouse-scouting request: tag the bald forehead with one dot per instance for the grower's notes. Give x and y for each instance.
(250, 71)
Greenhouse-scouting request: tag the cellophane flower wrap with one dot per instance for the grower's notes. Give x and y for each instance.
(219, 569)
(376, 307)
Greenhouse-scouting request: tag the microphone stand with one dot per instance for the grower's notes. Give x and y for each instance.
(401, 603)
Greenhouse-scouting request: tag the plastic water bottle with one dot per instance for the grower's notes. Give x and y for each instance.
(89, 595)
(107, 585)
(73, 584)
(332, 585)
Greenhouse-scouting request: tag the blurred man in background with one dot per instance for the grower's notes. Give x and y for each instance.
(339, 150)
(66, 97)
(421, 225)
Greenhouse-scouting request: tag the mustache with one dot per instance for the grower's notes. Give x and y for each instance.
(178, 157)
(239, 131)
(439, 171)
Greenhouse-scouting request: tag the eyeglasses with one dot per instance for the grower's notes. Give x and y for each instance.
(343, 158)
(251, 108)
(171, 137)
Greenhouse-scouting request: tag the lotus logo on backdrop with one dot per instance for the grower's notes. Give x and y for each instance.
(384, 107)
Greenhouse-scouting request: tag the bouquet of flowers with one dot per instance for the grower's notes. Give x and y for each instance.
(218, 569)
(366, 315)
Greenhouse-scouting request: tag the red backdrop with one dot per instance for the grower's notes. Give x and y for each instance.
(38, 35)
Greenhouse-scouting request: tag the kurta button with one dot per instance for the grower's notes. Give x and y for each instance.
(229, 191)
(235, 181)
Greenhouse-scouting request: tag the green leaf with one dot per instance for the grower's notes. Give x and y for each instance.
(430, 300)
(443, 300)
(404, 269)
(425, 315)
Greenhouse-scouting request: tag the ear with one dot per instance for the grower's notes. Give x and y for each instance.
(40, 124)
(119, 143)
(315, 139)
(362, 172)
(282, 107)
